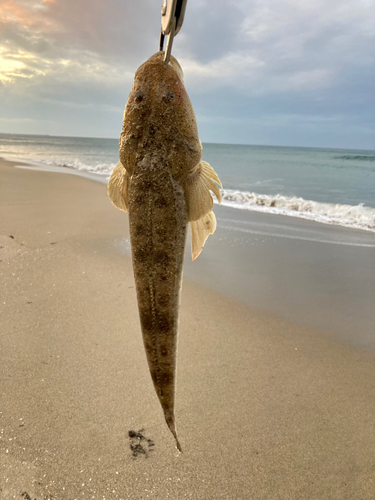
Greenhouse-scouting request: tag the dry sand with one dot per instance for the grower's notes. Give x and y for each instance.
(266, 409)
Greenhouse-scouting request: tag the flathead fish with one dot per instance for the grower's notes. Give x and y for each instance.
(163, 183)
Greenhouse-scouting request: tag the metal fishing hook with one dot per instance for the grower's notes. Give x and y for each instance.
(172, 17)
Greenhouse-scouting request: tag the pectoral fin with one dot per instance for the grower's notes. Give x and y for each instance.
(199, 203)
(197, 187)
(118, 187)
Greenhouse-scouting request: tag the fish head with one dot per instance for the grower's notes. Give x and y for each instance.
(159, 120)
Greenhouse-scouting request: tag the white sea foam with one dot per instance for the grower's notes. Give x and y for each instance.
(102, 169)
(358, 216)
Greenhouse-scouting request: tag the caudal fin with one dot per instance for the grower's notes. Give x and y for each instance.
(169, 418)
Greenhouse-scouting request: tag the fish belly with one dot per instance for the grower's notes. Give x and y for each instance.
(158, 226)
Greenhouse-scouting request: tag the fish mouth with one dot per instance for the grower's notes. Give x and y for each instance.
(172, 62)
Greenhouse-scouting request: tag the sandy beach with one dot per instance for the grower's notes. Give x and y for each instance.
(268, 406)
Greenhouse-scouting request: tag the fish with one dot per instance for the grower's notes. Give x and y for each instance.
(163, 184)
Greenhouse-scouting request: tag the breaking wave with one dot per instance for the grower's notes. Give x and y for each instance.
(99, 168)
(357, 216)
(356, 157)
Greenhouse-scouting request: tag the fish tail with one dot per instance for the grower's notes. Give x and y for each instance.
(169, 418)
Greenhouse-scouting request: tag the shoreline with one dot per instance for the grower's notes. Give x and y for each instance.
(265, 408)
(43, 167)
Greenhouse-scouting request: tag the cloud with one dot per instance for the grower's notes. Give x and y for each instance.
(268, 45)
(284, 46)
(244, 61)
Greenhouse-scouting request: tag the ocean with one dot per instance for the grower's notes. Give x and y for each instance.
(330, 186)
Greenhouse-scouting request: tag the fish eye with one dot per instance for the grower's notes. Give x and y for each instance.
(168, 96)
(139, 96)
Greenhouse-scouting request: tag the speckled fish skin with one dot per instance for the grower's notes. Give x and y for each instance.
(159, 176)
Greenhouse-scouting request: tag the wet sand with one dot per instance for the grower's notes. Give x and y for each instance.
(267, 408)
(317, 275)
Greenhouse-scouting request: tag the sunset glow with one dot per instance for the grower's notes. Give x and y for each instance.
(9, 69)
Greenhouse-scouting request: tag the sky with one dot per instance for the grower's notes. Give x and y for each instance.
(272, 72)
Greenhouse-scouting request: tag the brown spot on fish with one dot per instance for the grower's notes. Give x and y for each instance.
(164, 323)
(139, 199)
(163, 300)
(165, 378)
(164, 350)
(147, 320)
(141, 254)
(140, 229)
(161, 258)
(161, 202)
